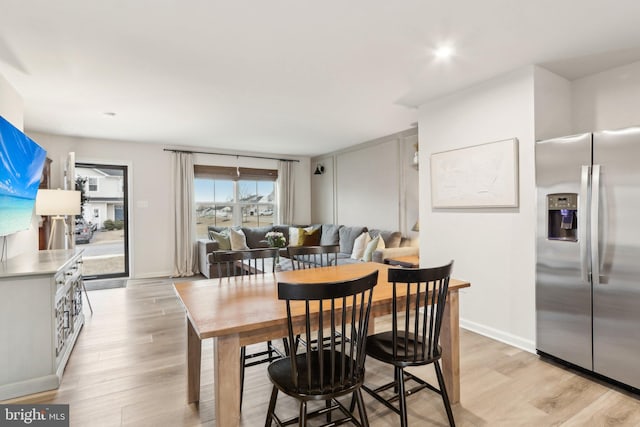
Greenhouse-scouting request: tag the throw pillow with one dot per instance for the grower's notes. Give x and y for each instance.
(391, 238)
(294, 236)
(359, 245)
(238, 240)
(255, 236)
(330, 234)
(372, 246)
(348, 236)
(310, 237)
(224, 242)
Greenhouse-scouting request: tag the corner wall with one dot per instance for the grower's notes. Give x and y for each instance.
(607, 100)
(12, 109)
(492, 248)
(371, 184)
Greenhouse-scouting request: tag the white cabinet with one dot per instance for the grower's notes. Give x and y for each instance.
(40, 319)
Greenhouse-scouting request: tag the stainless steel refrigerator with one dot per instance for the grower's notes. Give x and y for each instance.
(588, 252)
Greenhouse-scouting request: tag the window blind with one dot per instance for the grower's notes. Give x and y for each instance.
(231, 173)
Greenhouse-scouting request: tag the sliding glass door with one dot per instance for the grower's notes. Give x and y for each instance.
(101, 230)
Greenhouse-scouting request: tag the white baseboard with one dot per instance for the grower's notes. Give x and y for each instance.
(498, 335)
(29, 386)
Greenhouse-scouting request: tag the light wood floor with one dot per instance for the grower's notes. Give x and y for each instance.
(128, 369)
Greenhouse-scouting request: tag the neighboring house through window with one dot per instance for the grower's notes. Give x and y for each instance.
(227, 196)
(93, 183)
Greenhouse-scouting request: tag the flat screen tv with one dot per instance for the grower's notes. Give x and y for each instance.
(21, 163)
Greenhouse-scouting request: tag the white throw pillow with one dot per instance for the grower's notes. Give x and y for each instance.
(359, 245)
(238, 240)
(294, 236)
(372, 246)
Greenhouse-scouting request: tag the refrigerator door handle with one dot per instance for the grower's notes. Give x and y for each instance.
(595, 219)
(583, 223)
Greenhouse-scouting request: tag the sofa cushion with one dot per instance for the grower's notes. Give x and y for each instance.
(256, 236)
(348, 235)
(238, 240)
(330, 234)
(223, 239)
(391, 238)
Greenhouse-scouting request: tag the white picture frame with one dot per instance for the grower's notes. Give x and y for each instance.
(478, 176)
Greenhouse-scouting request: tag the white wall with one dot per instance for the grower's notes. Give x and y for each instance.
(150, 203)
(552, 103)
(367, 188)
(607, 100)
(492, 248)
(12, 109)
(368, 184)
(322, 191)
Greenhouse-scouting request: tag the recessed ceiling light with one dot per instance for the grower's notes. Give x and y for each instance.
(443, 52)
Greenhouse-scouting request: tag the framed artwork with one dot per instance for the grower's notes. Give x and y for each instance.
(478, 176)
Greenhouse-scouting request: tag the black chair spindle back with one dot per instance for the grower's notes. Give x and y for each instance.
(337, 369)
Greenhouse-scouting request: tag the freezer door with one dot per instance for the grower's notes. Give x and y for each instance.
(563, 290)
(616, 292)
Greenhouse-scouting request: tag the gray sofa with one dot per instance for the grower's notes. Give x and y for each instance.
(330, 234)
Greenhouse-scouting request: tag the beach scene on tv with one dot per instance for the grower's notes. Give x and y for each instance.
(21, 163)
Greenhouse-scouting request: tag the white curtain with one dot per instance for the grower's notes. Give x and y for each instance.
(185, 257)
(285, 192)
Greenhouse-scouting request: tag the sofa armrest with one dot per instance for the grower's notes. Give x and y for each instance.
(381, 254)
(205, 247)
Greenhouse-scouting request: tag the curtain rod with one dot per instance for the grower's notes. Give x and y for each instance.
(231, 155)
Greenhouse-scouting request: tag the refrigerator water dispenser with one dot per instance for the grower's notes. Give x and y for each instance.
(562, 214)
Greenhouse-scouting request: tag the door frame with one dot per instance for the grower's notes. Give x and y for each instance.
(125, 167)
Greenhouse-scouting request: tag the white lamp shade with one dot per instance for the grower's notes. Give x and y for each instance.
(57, 202)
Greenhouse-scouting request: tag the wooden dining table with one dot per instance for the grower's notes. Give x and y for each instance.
(240, 311)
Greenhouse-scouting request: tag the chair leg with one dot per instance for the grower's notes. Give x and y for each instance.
(364, 420)
(443, 392)
(270, 351)
(302, 421)
(396, 380)
(403, 399)
(243, 353)
(352, 405)
(272, 406)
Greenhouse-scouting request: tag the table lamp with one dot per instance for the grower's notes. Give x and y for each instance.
(57, 204)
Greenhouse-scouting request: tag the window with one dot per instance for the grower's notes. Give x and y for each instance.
(93, 184)
(227, 197)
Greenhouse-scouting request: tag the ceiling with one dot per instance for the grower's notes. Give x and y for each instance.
(283, 76)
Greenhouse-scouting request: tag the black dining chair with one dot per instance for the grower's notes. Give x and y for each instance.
(303, 257)
(420, 297)
(325, 373)
(228, 263)
(241, 263)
